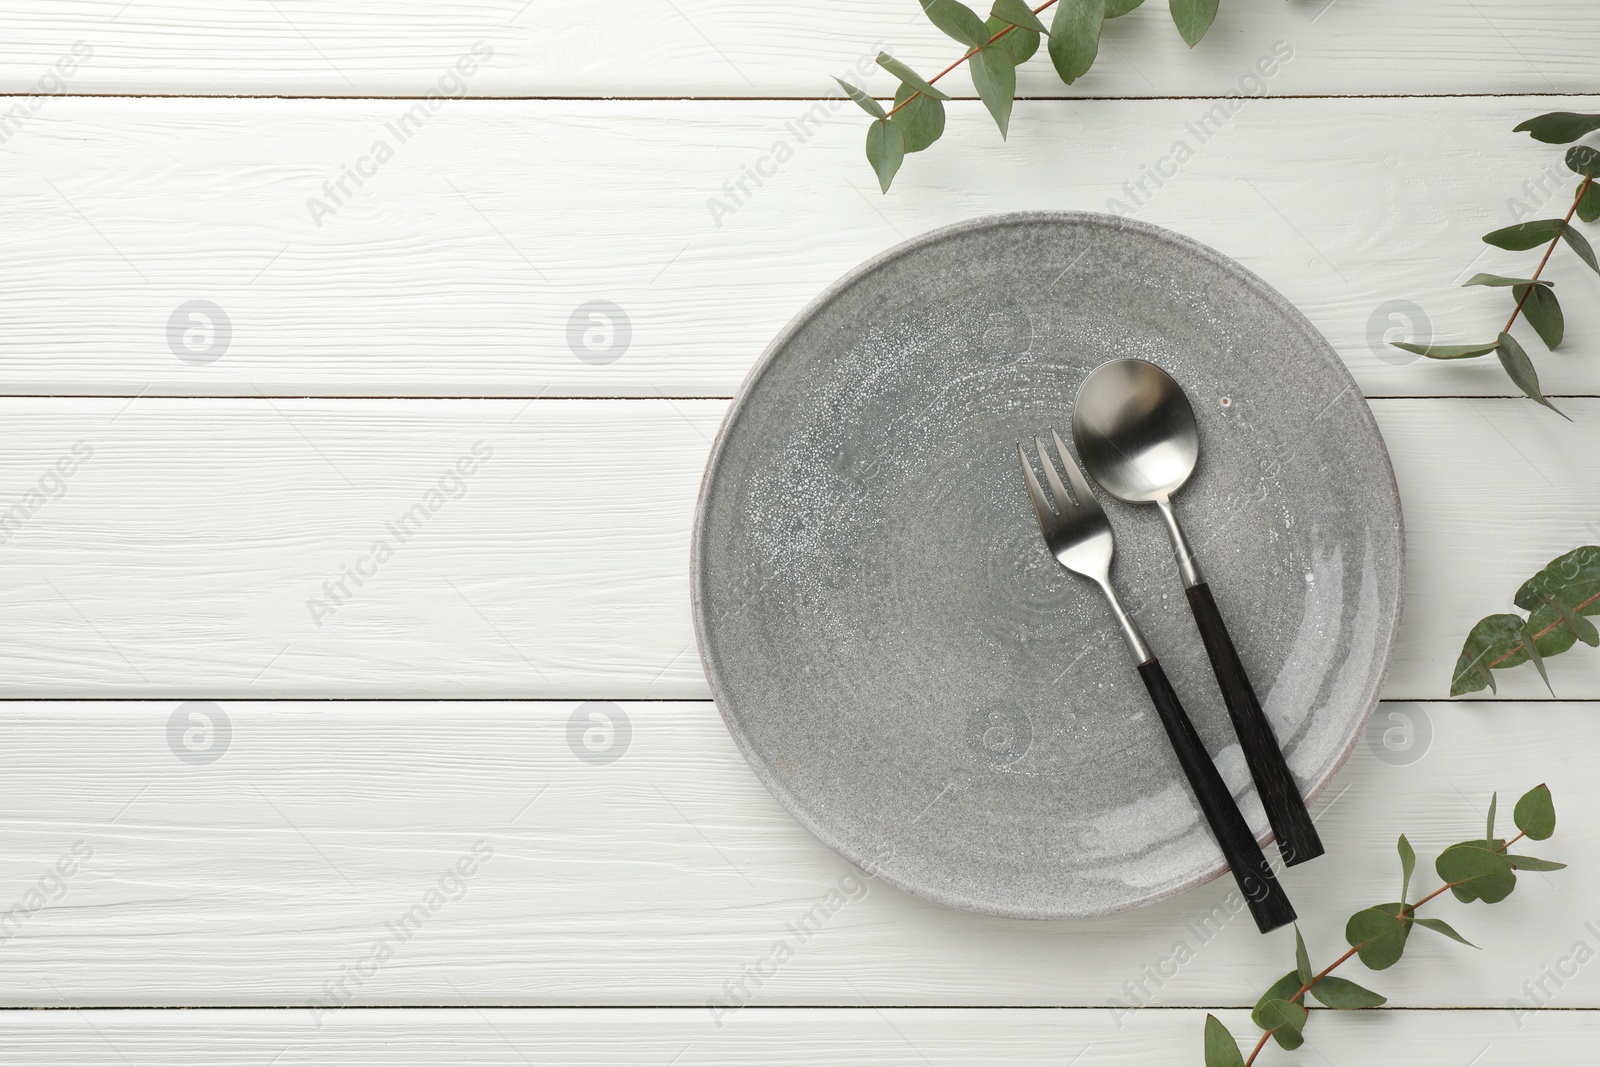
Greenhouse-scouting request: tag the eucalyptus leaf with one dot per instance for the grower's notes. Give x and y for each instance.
(1378, 935)
(1302, 961)
(1528, 863)
(1496, 641)
(1118, 8)
(1018, 43)
(1543, 312)
(1573, 577)
(1445, 351)
(1075, 37)
(1439, 926)
(1531, 647)
(1408, 866)
(1286, 988)
(995, 78)
(909, 76)
(1573, 624)
(1559, 127)
(1495, 279)
(1580, 244)
(920, 118)
(957, 20)
(886, 149)
(1535, 813)
(1494, 805)
(1345, 995)
(1285, 1020)
(1017, 13)
(1589, 206)
(1476, 873)
(869, 105)
(1221, 1049)
(1584, 160)
(1520, 369)
(1193, 18)
(1525, 235)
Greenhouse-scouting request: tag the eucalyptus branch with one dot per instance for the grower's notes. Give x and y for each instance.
(1478, 869)
(995, 47)
(1558, 600)
(1535, 298)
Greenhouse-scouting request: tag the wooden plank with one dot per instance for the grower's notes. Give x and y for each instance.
(469, 263)
(264, 861)
(216, 547)
(700, 47)
(835, 1037)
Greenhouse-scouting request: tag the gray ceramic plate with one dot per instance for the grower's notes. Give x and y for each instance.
(902, 663)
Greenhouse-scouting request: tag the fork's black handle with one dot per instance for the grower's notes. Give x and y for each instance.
(1268, 902)
(1286, 809)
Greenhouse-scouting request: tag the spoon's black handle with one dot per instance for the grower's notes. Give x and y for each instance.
(1286, 809)
(1268, 902)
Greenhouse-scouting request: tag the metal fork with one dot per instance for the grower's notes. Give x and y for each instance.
(1078, 535)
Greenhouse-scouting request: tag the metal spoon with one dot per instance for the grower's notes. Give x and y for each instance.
(1136, 435)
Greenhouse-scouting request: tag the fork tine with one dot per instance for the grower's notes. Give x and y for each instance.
(1063, 500)
(1080, 485)
(1041, 510)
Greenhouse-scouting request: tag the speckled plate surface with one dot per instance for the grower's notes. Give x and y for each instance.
(908, 670)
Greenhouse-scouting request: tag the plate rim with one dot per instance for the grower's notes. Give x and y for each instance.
(861, 858)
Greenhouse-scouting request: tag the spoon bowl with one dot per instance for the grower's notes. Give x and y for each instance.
(1135, 431)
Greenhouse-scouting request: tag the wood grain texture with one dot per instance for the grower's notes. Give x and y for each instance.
(839, 1037)
(701, 47)
(271, 874)
(237, 548)
(466, 263)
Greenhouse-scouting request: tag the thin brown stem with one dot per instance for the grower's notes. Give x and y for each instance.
(1405, 911)
(1548, 252)
(963, 59)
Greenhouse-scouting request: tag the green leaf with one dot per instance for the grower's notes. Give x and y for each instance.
(1494, 804)
(1525, 235)
(1221, 1049)
(1016, 13)
(1495, 640)
(1408, 865)
(1018, 43)
(869, 105)
(1560, 127)
(1445, 351)
(1193, 18)
(995, 78)
(921, 119)
(1531, 647)
(1345, 995)
(1520, 369)
(1302, 961)
(1439, 926)
(1578, 627)
(1580, 244)
(957, 20)
(1117, 8)
(1573, 577)
(1584, 160)
(1528, 863)
(1535, 813)
(1495, 279)
(1589, 206)
(1476, 873)
(1543, 312)
(1284, 1020)
(909, 76)
(1286, 988)
(1378, 935)
(1075, 37)
(886, 149)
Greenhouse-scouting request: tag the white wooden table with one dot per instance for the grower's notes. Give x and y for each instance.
(368, 728)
